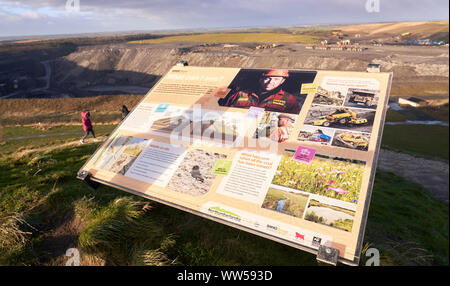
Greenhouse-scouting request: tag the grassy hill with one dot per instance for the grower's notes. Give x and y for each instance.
(44, 210)
(104, 109)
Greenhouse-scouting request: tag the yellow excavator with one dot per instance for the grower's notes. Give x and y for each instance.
(342, 116)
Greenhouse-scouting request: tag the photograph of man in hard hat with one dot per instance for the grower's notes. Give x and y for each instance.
(281, 132)
(275, 126)
(274, 90)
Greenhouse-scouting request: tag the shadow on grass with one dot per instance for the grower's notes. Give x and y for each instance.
(405, 224)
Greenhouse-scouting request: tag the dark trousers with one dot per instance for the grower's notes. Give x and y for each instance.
(86, 133)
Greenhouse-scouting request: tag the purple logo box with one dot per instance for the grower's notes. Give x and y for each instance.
(304, 154)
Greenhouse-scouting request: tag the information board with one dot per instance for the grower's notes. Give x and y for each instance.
(289, 155)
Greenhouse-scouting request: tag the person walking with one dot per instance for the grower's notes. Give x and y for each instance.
(87, 125)
(125, 112)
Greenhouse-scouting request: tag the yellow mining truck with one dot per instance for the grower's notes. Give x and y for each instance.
(361, 97)
(354, 141)
(342, 116)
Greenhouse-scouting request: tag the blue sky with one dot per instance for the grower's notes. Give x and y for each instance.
(47, 17)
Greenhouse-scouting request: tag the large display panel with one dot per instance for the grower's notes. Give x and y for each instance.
(289, 155)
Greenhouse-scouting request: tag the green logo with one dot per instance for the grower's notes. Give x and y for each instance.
(222, 167)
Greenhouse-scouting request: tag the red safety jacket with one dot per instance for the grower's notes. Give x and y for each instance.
(280, 101)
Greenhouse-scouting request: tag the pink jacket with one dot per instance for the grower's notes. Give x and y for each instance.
(86, 121)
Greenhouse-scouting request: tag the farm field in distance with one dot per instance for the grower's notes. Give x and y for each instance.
(233, 38)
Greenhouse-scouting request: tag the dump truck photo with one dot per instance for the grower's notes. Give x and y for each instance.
(342, 116)
(354, 141)
(362, 97)
(328, 97)
(317, 136)
(320, 138)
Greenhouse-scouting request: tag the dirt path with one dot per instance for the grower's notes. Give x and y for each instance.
(432, 175)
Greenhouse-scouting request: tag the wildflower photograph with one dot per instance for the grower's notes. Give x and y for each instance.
(331, 177)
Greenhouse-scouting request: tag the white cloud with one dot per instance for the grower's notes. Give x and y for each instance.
(32, 15)
(170, 14)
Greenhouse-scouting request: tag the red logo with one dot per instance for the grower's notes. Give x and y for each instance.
(299, 236)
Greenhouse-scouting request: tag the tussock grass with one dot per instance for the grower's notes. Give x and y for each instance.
(122, 221)
(405, 223)
(159, 256)
(12, 233)
(15, 233)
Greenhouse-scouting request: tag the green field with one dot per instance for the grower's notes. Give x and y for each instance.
(437, 112)
(44, 210)
(397, 116)
(233, 38)
(294, 205)
(429, 141)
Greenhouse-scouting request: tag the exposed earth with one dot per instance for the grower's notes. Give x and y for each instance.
(133, 68)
